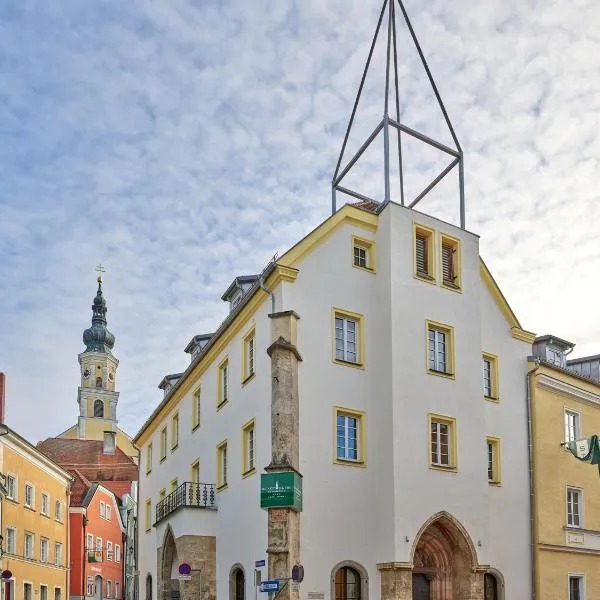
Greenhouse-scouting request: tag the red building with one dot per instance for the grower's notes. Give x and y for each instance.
(103, 474)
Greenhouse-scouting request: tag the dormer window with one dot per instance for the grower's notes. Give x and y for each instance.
(236, 300)
(555, 356)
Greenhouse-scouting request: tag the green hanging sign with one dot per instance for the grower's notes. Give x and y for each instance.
(587, 450)
(281, 490)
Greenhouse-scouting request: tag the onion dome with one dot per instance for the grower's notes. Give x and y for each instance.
(98, 338)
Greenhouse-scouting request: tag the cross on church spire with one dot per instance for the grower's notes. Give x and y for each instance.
(100, 269)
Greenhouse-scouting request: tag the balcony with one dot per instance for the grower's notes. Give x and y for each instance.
(189, 495)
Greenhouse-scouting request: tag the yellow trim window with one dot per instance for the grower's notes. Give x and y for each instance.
(248, 448)
(149, 459)
(349, 436)
(493, 461)
(490, 376)
(163, 443)
(222, 465)
(348, 337)
(574, 507)
(249, 358)
(450, 259)
(223, 383)
(195, 471)
(162, 494)
(174, 431)
(442, 432)
(148, 515)
(196, 409)
(174, 485)
(424, 253)
(363, 254)
(440, 349)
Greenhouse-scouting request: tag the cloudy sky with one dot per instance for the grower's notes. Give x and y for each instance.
(182, 142)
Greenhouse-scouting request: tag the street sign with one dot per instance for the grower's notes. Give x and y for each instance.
(6, 574)
(184, 577)
(298, 573)
(259, 563)
(281, 490)
(269, 586)
(185, 569)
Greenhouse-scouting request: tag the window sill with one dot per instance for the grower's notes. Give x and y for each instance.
(148, 472)
(350, 463)
(451, 286)
(13, 500)
(45, 515)
(347, 363)
(441, 374)
(495, 483)
(222, 404)
(173, 448)
(162, 460)
(248, 473)
(29, 508)
(443, 468)
(221, 487)
(492, 399)
(367, 269)
(426, 277)
(248, 379)
(195, 427)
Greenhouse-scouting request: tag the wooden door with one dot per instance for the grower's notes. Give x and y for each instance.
(420, 586)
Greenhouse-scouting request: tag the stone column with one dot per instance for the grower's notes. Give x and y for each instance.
(284, 523)
(396, 581)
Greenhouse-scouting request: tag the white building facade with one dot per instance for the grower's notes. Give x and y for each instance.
(394, 384)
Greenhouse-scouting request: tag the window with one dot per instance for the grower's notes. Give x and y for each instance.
(99, 408)
(363, 254)
(11, 487)
(44, 550)
(162, 494)
(27, 591)
(149, 459)
(90, 541)
(249, 358)
(572, 433)
(450, 262)
(174, 431)
(223, 383)
(196, 409)
(29, 542)
(490, 376)
(555, 356)
(29, 495)
(443, 443)
(574, 507)
(108, 588)
(117, 590)
(248, 448)
(98, 383)
(174, 485)
(11, 540)
(576, 587)
(347, 584)
(108, 512)
(493, 460)
(43, 592)
(117, 553)
(348, 338)
(99, 546)
(440, 349)
(58, 510)
(58, 558)
(349, 436)
(163, 444)
(45, 509)
(102, 510)
(195, 479)
(424, 266)
(109, 551)
(148, 515)
(90, 586)
(57, 593)
(222, 465)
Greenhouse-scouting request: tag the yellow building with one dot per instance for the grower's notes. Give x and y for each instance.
(565, 406)
(35, 523)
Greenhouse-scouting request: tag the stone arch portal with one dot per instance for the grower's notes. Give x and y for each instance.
(445, 565)
(169, 568)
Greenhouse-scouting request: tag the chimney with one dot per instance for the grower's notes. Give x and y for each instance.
(109, 443)
(2, 390)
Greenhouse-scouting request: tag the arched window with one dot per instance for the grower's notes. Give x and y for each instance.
(347, 584)
(149, 587)
(490, 587)
(98, 382)
(237, 583)
(98, 408)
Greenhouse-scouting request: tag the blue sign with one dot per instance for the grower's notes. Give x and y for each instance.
(269, 586)
(184, 569)
(259, 563)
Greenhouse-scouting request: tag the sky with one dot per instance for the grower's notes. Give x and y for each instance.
(183, 142)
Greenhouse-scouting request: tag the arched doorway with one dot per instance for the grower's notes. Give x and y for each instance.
(237, 583)
(349, 581)
(98, 583)
(444, 562)
(149, 587)
(170, 568)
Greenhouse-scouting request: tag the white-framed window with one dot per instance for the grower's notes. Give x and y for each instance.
(348, 434)
(102, 510)
(555, 356)
(117, 553)
(90, 586)
(108, 512)
(27, 591)
(574, 507)
(576, 587)
(117, 590)
(43, 592)
(98, 544)
(361, 257)
(44, 550)
(11, 540)
(57, 593)
(90, 542)
(363, 253)
(29, 495)
(348, 332)
(109, 551)
(149, 459)
(109, 588)
(58, 557)
(11, 487)
(45, 508)
(58, 511)
(442, 441)
(29, 544)
(572, 429)
(439, 350)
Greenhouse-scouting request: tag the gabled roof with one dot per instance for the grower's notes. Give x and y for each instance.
(169, 380)
(238, 282)
(197, 340)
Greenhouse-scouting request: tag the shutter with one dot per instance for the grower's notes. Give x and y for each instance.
(447, 264)
(421, 253)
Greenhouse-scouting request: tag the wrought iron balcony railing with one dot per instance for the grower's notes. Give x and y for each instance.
(188, 494)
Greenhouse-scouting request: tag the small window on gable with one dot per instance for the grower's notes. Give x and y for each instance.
(363, 254)
(450, 262)
(424, 252)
